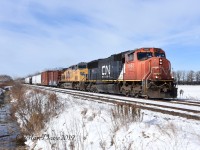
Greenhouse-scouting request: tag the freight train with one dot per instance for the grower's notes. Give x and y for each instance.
(143, 72)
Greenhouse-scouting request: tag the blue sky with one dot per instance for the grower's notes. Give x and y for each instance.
(43, 34)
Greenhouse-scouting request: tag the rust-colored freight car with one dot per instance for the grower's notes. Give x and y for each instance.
(51, 77)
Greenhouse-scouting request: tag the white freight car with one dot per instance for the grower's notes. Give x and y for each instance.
(28, 80)
(37, 79)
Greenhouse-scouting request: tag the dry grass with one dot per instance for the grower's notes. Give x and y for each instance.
(169, 129)
(33, 107)
(36, 122)
(122, 115)
(18, 91)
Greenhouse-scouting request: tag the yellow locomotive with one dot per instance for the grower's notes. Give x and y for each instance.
(75, 76)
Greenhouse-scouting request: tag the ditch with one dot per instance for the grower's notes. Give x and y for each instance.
(10, 137)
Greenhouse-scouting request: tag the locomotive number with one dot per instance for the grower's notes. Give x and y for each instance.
(131, 66)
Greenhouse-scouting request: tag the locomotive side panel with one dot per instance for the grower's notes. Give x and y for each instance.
(94, 70)
(107, 69)
(104, 74)
(74, 76)
(130, 73)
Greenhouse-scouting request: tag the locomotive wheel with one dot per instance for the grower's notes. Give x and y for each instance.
(95, 90)
(136, 95)
(125, 93)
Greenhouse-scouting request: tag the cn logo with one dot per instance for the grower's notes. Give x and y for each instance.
(106, 71)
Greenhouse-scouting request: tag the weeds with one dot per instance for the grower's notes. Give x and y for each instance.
(36, 123)
(33, 108)
(18, 91)
(122, 115)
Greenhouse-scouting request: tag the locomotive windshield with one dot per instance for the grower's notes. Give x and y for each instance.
(82, 66)
(144, 55)
(159, 54)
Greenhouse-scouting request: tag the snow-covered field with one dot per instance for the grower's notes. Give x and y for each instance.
(189, 92)
(86, 125)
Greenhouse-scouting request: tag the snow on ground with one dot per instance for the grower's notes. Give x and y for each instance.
(86, 125)
(189, 92)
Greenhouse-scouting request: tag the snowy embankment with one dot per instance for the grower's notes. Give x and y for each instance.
(191, 92)
(86, 125)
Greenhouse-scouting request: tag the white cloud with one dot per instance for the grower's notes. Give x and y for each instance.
(58, 33)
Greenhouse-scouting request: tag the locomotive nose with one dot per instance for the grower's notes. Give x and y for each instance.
(160, 68)
(157, 68)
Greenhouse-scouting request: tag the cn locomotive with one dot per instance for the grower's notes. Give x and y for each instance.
(143, 72)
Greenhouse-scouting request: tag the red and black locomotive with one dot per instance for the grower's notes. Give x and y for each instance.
(143, 72)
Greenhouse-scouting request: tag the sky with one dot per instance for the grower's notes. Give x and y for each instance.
(46, 34)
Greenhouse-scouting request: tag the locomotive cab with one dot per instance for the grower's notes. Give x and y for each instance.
(149, 73)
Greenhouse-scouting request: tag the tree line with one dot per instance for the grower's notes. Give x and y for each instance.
(187, 77)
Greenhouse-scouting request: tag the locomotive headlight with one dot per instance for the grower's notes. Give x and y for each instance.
(160, 62)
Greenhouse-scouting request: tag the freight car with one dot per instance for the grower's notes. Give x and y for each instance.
(28, 80)
(50, 77)
(46, 78)
(37, 79)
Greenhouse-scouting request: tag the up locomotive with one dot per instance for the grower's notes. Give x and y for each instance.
(143, 72)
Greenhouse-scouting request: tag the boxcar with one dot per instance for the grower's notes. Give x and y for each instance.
(51, 77)
(36, 79)
(28, 80)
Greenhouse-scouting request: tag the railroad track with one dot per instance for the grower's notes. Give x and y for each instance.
(186, 109)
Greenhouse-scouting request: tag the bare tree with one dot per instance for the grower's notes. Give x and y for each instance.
(178, 76)
(183, 75)
(190, 76)
(187, 77)
(197, 77)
